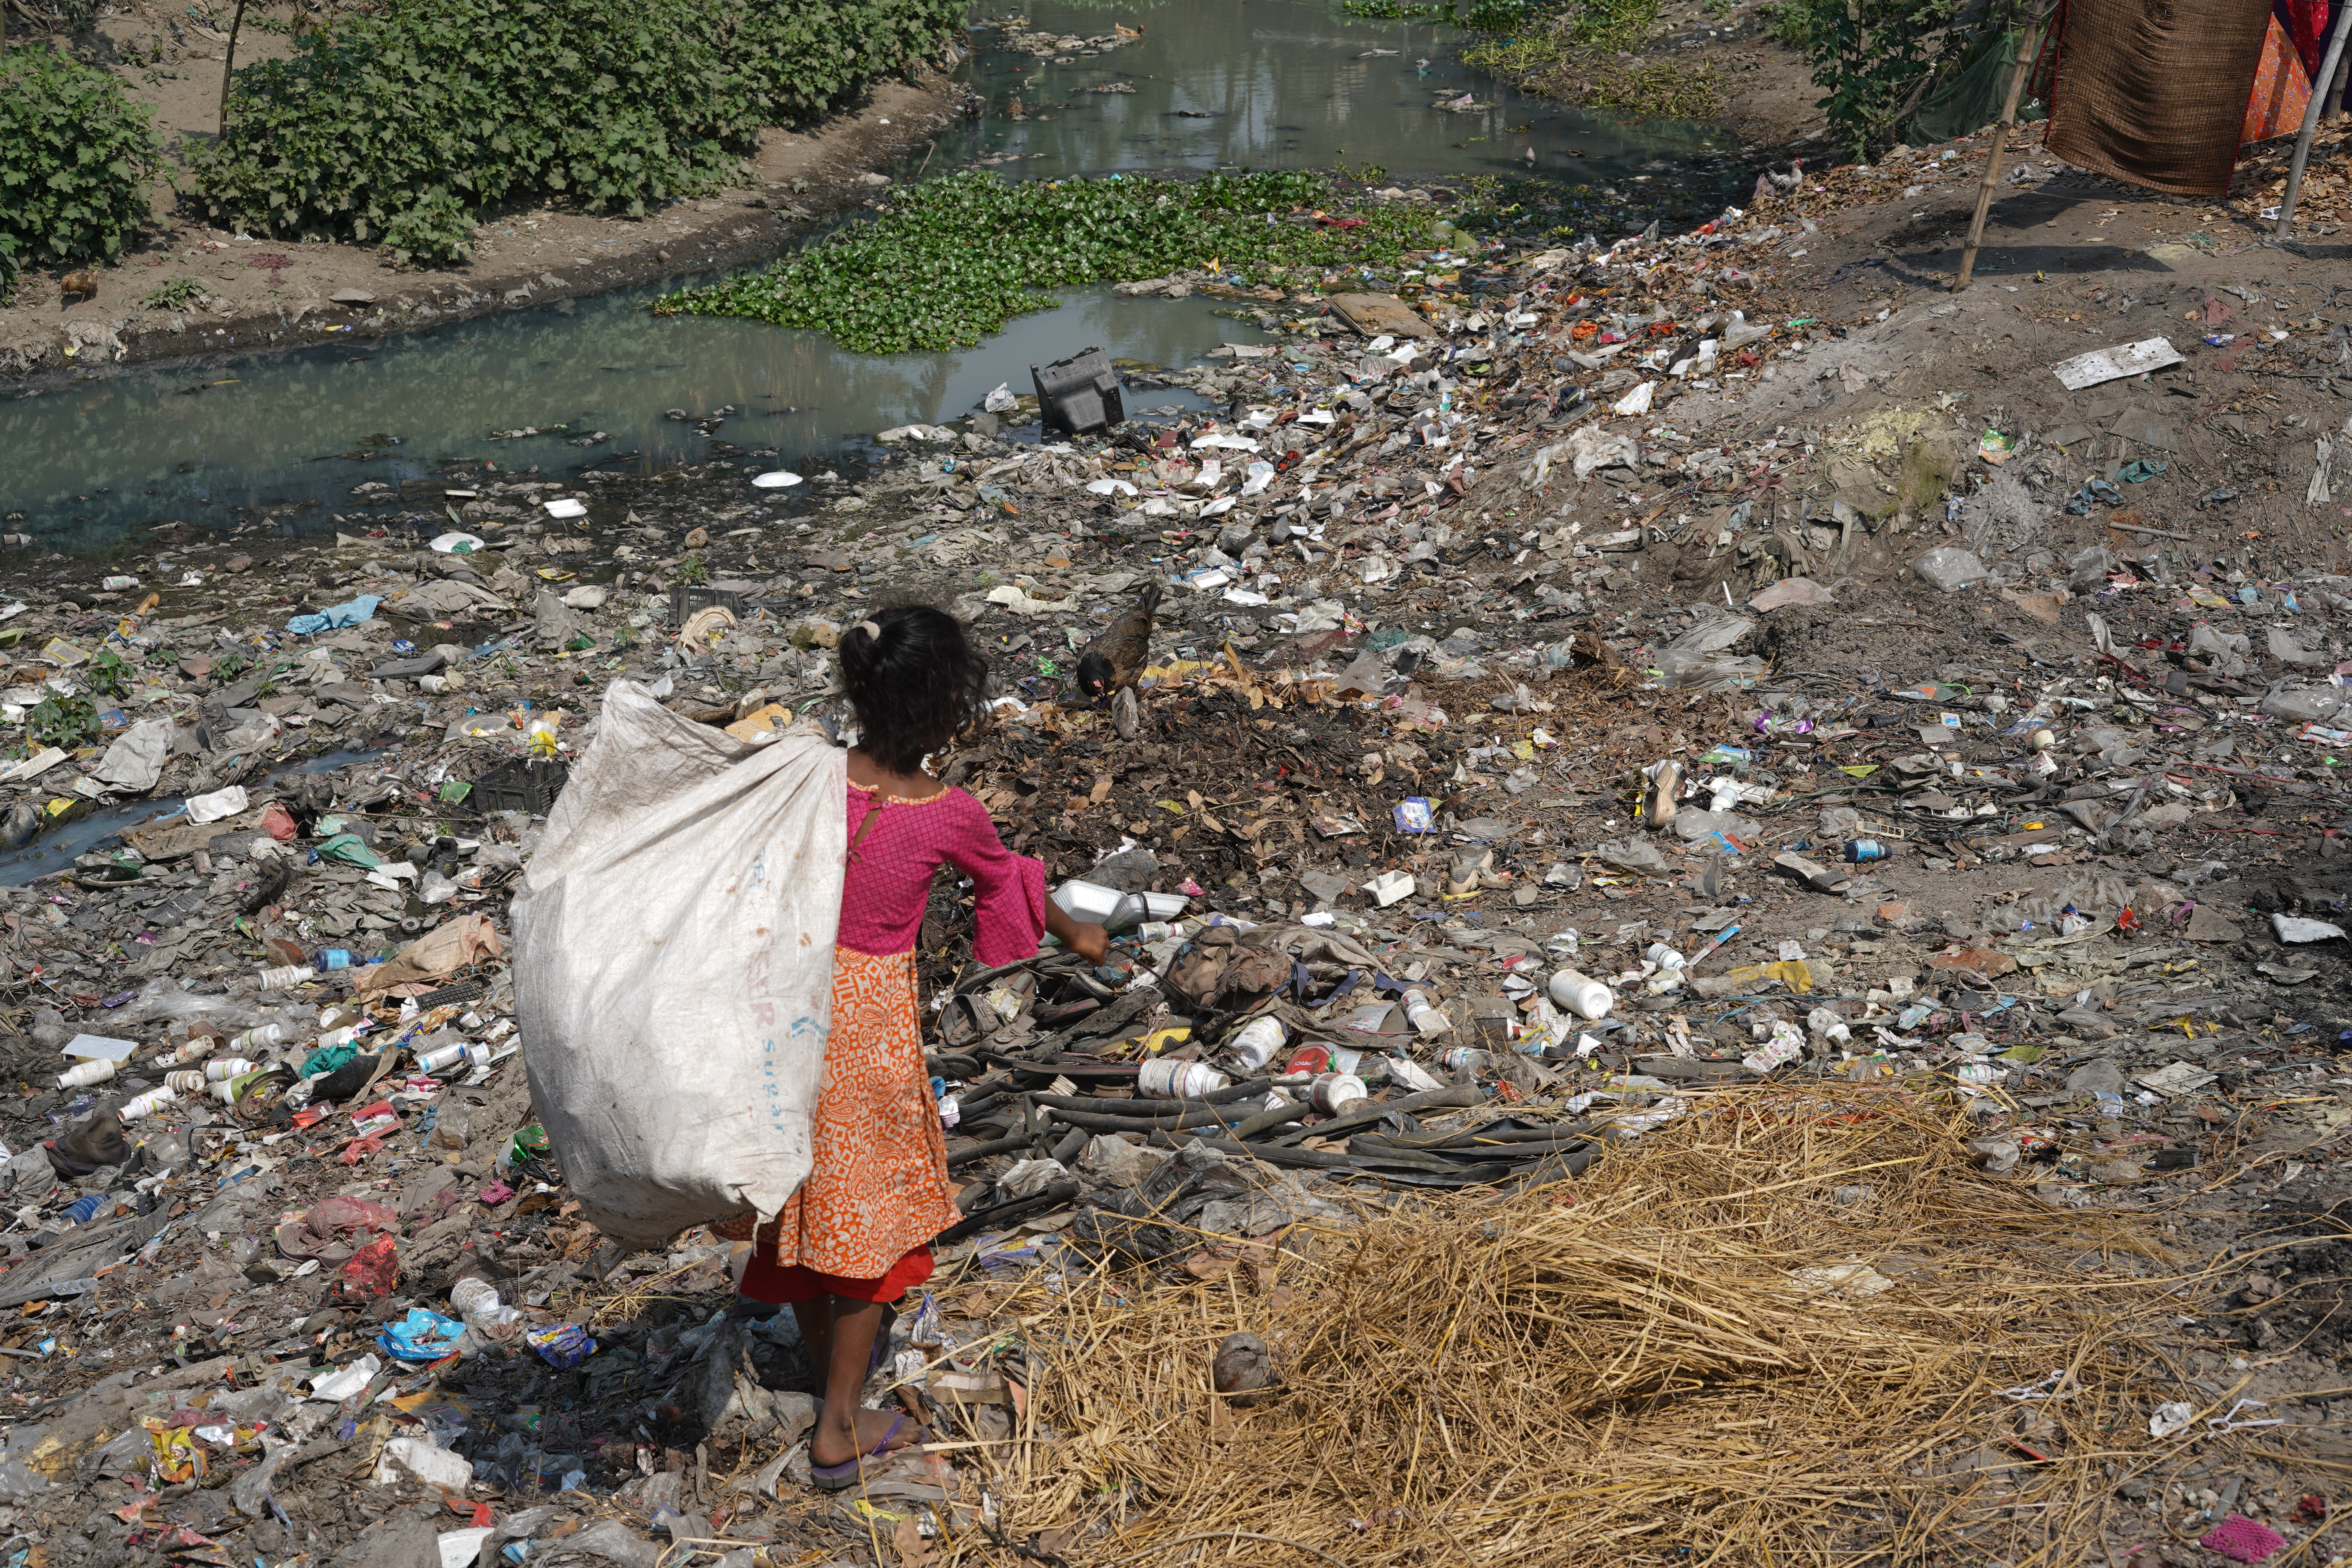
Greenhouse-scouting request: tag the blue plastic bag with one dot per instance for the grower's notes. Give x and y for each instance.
(420, 1336)
(334, 618)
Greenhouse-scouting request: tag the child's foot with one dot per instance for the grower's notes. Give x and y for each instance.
(876, 1431)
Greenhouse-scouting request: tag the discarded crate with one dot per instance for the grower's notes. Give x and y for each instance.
(527, 783)
(1079, 394)
(685, 598)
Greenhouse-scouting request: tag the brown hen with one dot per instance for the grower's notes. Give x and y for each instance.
(1115, 658)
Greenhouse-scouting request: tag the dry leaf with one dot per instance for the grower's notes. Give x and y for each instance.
(913, 1547)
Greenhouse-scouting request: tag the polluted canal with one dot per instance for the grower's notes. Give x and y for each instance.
(1289, 84)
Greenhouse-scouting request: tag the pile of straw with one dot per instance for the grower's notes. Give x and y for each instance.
(1625, 1368)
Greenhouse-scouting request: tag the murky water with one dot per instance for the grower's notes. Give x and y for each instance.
(1260, 83)
(55, 851)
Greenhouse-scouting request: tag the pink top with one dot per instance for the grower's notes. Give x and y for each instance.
(888, 879)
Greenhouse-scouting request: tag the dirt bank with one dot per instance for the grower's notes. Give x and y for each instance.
(268, 293)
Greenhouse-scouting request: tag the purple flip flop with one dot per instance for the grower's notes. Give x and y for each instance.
(844, 1475)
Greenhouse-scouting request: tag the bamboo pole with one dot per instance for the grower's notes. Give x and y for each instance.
(2028, 46)
(2311, 124)
(228, 63)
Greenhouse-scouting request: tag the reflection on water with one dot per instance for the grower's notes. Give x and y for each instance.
(1290, 84)
(308, 426)
(1263, 83)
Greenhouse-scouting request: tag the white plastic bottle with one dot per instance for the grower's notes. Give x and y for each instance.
(81, 1076)
(1425, 1017)
(1582, 995)
(146, 1104)
(1255, 1044)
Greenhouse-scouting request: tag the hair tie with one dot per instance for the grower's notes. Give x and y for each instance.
(870, 629)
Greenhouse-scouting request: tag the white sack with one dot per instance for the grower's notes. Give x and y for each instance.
(673, 966)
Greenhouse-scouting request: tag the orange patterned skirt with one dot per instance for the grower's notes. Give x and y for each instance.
(877, 1190)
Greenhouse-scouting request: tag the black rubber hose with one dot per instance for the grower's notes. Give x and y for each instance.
(1205, 1116)
(1268, 1120)
(1272, 1153)
(1370, 1116)
(1051, 1198)
(1100, 1106)
(968, 1152)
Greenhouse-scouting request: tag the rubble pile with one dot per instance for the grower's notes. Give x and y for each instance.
(1591, 693)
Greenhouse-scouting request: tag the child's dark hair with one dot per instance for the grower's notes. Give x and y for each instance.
(915, 679)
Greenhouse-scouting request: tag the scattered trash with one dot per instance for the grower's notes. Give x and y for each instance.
(1501, 776)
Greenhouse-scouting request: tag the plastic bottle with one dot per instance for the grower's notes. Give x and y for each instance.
(187, 1080)
(85, 1209)
(458, 1055)
(1310, 1059)
(1255, 1044)
(287, 976)
(1825, 1023)
(1338, 1092)
(478, 1302)
(260, 1039)
(200, 1046)
(333, 958)
(1860, 851)
(223, 1068)
(1454, 1058)
(1582, 995)
(1425, 1017)
(84, 1074)
(1160, 1078)
(146, 1104)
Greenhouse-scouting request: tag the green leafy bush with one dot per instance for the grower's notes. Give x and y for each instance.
(961, 255)
(175, 294)
(1876, 59)
(62, 722)
(399, 129)
(76, 160)
(109, 675)
(811, 56)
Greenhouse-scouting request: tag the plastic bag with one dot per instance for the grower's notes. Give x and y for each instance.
(673, 951)
(1632, 855)
(2331, 704)
(420, 1336)
(1699, 657)
(161, 1000)
(372, 1271)
(1950, 568)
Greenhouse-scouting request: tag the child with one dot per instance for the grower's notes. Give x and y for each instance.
(857, 1234)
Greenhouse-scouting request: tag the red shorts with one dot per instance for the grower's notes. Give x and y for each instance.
(767, 1281)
